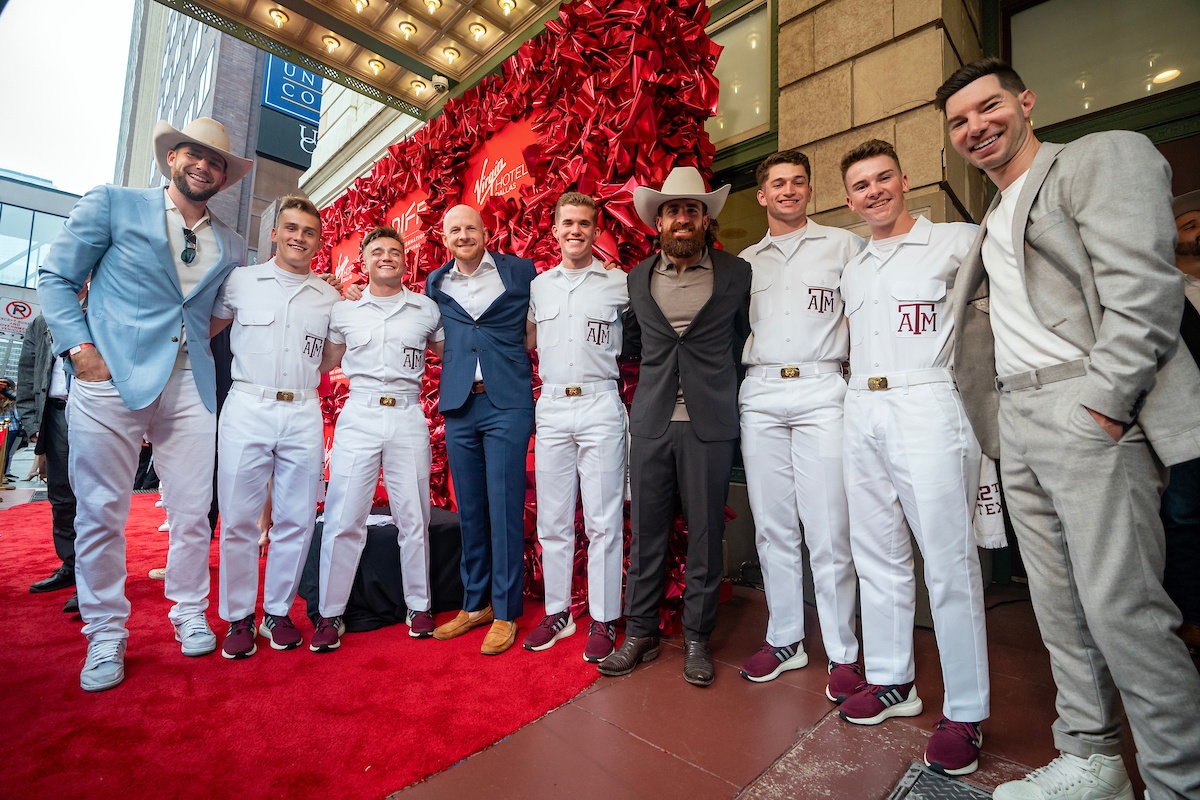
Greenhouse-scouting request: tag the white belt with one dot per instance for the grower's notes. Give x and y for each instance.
(898, 380)
(809, 369)
(282, 395)
(393, 400)
(577, 389)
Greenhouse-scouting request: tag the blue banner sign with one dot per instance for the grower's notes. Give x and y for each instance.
(292, 90)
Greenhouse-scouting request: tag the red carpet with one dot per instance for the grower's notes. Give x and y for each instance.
(382, 712)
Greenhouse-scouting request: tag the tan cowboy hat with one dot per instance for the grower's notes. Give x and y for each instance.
(1187, 202)
(207, 133)
(684, 183)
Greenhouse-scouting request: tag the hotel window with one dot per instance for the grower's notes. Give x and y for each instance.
(1086, 56)
(744, 73)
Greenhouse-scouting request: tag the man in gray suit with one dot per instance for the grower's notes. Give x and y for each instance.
(690, 318)
(1071, 297)
(42, 404)
(143, 367)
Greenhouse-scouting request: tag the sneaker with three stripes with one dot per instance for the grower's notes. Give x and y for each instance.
(770, 661)
(874, 704)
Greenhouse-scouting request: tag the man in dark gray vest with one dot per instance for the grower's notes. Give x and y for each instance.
(690, 317)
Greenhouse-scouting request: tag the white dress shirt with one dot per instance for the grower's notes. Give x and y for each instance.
(898, 303)
(1023, 343)
(795, 296)
(578, 316)
(279, 329)
(385, 340)
(1191, 290)
(475, 292)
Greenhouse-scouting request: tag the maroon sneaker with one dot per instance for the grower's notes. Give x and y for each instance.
(601, 638)
(239, 642)
(844, 680)
(420, 624)
(874, 704)
(328, 636)
(552, 628)
(954, 747)
(282, 634)
(770, 662)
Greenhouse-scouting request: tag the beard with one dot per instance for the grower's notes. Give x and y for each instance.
(675, 248)
(1188, 249)
(179, 178)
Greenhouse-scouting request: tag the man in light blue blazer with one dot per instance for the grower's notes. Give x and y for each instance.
(487, 400)
(142, 366)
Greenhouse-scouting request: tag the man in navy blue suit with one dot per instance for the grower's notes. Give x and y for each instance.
(487, 400)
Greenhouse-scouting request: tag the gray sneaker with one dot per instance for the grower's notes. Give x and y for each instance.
(195, 637)
(105, 665)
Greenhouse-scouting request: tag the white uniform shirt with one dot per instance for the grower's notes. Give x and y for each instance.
(386, 341)
(207, 253)
(578, 323)
(58, 380)
(1023, 343)
(278, 330)
(795, 296)
(475, 292)
(898, 303)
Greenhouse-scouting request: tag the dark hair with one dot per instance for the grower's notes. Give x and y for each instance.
(579, 200)
(382, 232)
(967, 74)
(793, 156)
(868, 149)
(298, 202)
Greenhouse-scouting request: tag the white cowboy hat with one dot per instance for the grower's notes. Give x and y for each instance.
(1187, 202)
(684, 183)
(205, 132)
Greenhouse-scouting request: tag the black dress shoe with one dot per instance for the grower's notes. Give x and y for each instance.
(61, 578)
(72, 606)
(633, 651)
(697, 663)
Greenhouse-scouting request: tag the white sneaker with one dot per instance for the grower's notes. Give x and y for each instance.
(165, 527)
(1070, 777)
(105, 665)
(195, 637)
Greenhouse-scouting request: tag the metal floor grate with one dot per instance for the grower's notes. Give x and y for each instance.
(921, 783)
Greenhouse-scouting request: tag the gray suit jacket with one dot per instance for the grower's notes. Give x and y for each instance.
(1098, 259)
(33, 374)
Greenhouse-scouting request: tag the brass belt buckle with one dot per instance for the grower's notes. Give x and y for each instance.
(285, 397)
(574, 391)
(877, 384)
(789, 372)
(387, 400)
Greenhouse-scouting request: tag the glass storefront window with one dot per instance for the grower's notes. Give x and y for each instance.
(45, 229)
(1084, 56)
(15, 226)
(744, 72)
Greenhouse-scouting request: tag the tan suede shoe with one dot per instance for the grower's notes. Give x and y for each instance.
(499, 638)
(462, 623)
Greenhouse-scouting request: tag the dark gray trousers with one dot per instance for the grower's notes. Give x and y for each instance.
(677, 468)
(58, 485)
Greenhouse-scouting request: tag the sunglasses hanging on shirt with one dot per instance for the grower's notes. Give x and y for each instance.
(189, 246)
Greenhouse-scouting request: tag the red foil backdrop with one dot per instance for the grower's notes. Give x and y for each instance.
(615, 93)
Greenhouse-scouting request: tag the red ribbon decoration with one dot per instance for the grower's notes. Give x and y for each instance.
(617, 92)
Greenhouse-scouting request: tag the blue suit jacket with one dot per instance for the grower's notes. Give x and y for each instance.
(497, 338)
(135, 304)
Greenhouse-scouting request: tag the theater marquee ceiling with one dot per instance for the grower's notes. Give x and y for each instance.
(388, 50)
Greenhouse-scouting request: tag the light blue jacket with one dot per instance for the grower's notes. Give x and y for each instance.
(136, 309)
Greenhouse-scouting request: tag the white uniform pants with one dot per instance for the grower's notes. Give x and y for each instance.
(580, 446)
(912, 462)
(370, 435)
(792, 448)
(258, 438)
(105, 442)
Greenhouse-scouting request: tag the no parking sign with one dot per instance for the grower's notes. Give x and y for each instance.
(15, 315)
